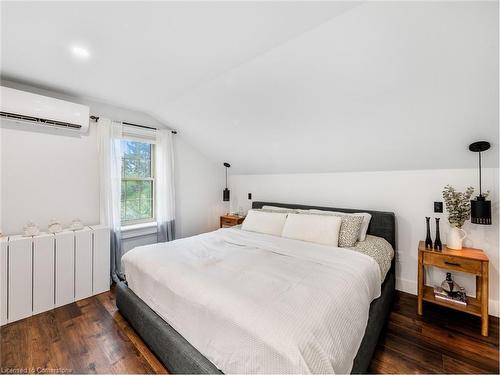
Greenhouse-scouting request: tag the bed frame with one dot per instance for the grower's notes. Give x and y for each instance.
(180, 357)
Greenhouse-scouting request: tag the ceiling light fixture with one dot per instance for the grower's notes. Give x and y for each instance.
(80, 52)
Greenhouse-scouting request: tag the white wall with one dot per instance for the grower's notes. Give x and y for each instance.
(409, 194)
(198, 191)
(47, 175)
(1, 206)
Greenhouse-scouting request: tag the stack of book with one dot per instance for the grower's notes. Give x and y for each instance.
(458, 298)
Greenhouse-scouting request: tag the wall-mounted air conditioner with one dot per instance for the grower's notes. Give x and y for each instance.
(25, 107)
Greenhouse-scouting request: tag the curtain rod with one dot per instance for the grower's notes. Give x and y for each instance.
(96, 118)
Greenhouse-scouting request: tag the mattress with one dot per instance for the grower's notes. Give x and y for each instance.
(254, 303)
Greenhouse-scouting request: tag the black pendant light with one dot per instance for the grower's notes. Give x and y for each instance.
(225, 193)
(480, 208)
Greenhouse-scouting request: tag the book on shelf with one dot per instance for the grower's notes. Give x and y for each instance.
(454, 297)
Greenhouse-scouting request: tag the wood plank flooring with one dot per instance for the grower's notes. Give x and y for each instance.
(90, 336)
(441, 341)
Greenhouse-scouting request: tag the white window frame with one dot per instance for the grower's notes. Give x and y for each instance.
(152, 219)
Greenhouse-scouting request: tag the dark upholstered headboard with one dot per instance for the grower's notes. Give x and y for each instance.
(382, 224)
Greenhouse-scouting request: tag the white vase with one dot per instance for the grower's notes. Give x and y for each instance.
(455, 238)
(55, 226)
(31, 229)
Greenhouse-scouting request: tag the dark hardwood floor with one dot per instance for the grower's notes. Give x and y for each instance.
(441, 341)
(90, 336)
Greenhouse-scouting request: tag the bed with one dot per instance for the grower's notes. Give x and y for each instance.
(182, 356)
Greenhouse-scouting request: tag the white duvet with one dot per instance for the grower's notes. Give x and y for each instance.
(256, 303)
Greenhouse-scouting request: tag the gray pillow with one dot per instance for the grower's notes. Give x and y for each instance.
(349, 230)
(281, 210)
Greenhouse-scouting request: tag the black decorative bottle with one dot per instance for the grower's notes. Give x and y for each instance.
(428, 239)
(437, 243)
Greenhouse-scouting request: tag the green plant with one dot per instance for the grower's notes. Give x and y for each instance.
(457, 204)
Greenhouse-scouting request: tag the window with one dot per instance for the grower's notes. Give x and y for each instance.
(137, 195)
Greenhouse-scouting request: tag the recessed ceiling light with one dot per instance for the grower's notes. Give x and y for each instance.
(80, 52)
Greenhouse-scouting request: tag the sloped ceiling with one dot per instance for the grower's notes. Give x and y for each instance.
(281, 87)
(145, 54)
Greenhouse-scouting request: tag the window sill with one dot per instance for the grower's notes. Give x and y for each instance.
(137, 230)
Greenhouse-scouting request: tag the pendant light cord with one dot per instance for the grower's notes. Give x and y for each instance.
(226, 177)
(480, 190)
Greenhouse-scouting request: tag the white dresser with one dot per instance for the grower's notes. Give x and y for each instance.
(46, 271)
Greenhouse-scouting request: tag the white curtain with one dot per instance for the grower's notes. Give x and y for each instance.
(164, 192)
(109, 137)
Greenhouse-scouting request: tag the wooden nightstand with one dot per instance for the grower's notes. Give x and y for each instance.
(230, 220)
(467, 260)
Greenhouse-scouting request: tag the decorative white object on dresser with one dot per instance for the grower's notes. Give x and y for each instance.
(39, 273)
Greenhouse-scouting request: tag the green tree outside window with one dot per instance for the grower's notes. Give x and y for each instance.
(137, 186)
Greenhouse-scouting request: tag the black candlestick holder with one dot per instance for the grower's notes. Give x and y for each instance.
(428, 239)
(437, 243)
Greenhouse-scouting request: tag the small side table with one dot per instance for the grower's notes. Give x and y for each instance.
(469, 260)
(230, 220)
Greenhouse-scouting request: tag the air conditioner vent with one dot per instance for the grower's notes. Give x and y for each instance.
(43, 111)
(41, 121)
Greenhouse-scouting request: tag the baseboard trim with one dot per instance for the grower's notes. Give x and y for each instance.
(406, 285)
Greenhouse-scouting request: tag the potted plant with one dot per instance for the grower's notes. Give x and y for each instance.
(458, 207)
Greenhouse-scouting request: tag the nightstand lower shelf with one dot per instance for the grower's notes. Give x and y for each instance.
(473, 306)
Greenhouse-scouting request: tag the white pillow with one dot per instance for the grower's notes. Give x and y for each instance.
(364, 225)
(264, 222)
(321, 229)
